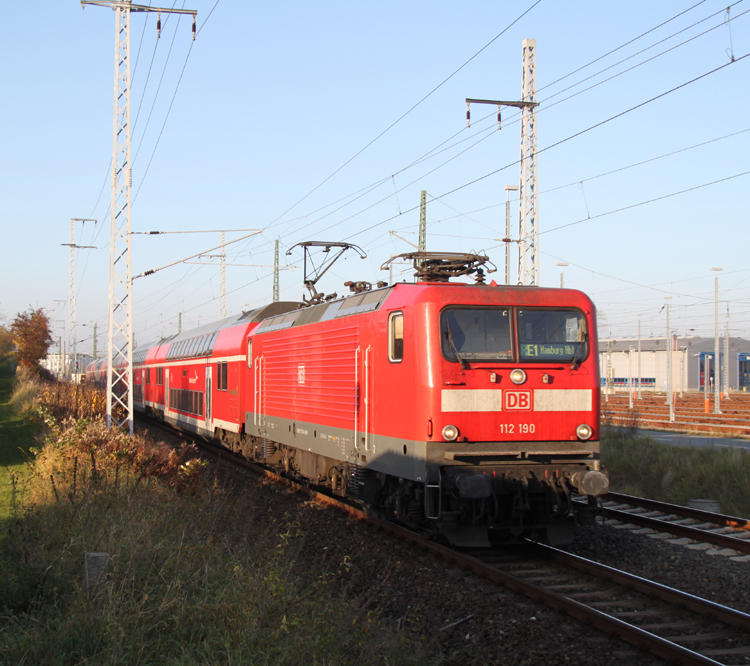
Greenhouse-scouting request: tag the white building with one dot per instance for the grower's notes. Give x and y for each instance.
(620, 364)
(62, 365)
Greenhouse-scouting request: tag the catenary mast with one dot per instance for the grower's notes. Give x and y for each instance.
(528, 229)
(120, 334)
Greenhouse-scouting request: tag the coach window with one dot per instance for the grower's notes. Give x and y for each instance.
(396, 337)
(221, 376)
(249, 352)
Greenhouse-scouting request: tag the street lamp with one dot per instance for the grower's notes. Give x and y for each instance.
(630, 379)
(717, 364)
(669, 355)
(640, 375)
(562, 265)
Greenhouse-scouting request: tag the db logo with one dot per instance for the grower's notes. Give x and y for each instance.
(518, 400)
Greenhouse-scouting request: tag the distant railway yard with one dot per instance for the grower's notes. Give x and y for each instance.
(693, 413)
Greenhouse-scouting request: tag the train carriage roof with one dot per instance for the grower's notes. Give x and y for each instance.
(198, 342)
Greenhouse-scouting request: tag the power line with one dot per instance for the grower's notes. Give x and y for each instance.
(640, 64)
(622, 46)
(400, 118)
(643, 203)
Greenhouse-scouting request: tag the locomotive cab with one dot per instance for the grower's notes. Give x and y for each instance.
(507, 394)
(519, 409)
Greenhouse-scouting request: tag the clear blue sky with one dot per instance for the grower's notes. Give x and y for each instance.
(275, 97)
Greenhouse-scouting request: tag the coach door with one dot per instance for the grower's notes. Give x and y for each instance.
(209, 373)
(166, 390)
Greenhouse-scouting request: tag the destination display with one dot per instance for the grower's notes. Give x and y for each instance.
(549, 350)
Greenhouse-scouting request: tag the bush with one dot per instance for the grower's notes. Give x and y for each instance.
(197, 573)
(78, 401)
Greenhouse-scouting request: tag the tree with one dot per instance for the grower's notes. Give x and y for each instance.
(6, 344)
(31, 336)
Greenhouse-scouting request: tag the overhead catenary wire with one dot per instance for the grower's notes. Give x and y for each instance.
(573, 136)
(406, 113)
(547, 107)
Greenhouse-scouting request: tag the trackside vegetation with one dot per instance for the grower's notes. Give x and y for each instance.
(197, 572)
(641, 466)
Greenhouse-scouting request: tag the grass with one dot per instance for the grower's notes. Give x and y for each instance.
(197, 572)
(639, 465)
(16, 440)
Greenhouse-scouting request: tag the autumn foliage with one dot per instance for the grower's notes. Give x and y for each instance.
(31, 335)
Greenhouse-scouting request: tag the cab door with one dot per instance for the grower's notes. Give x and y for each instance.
(209, 378)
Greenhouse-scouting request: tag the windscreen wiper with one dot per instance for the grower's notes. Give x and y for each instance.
(449, 335)
(579, 344)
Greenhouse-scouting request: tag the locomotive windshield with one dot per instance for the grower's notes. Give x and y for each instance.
(486, 334)
(552, 335)
(476, 333)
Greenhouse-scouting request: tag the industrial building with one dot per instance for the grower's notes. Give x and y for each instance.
(621, 365)
(65, 366)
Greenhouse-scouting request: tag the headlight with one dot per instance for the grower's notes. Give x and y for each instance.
(450, 433)
(584, 431)
(517, 376)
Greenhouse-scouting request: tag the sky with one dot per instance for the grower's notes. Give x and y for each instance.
(324, 121)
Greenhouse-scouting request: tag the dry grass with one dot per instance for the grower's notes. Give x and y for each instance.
(78, 401)
(196, 574)
(644, 467)
(25, 397)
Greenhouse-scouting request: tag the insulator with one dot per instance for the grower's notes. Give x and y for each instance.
(468, 117)
(499, 123)
(193, 27)
(158, 25)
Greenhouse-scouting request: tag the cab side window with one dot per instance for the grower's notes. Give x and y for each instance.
(396, 337)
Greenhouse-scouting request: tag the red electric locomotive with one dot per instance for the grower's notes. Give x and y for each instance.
(466, 410)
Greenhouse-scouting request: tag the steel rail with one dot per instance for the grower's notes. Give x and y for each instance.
(671, 595)
(686, 511)
(694, 533)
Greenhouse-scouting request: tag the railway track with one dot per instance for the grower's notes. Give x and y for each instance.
(668, 623)
(692, 525)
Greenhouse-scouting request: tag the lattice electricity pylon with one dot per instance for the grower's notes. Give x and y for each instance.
(526, 106)
(528, 229)
(120, 334)
(72, 314)
(276, 271)
(423, 222)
